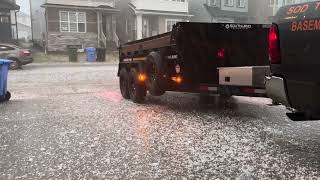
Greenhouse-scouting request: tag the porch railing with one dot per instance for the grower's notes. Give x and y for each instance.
(103, 38)
(116, 39)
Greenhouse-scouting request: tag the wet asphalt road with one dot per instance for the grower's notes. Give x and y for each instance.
(67, 122)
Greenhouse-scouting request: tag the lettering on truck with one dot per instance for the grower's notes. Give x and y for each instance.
(303, 25)
(306, 25)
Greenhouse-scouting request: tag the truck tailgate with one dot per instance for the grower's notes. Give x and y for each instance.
(205, 47)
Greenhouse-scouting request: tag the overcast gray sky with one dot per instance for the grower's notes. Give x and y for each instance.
(24, 6)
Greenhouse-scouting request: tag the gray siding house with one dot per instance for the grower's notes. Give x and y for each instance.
(24, 26)
(144, 18)
(262, 11)
(229, 11)
(77, 23)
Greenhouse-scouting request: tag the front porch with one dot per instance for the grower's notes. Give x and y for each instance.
(150, 23)
(106, 26)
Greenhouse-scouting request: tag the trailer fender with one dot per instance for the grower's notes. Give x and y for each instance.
(156, 82)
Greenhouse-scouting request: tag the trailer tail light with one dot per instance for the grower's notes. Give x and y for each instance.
(142, 77)
(274, 45)
(177, 79)
(221, 53)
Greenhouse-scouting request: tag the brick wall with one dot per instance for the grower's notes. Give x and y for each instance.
(58, 41)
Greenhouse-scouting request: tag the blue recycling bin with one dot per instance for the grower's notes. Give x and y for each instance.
(4, 69)
(91, 54)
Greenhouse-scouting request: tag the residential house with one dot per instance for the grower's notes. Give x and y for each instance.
(8, 23)
(24, 26)
(261, 11)
(144, 18)
(230, 11)
(75, 23)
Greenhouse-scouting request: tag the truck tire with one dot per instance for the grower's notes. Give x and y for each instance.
(137, 90)
(155, 71)
(123, 81)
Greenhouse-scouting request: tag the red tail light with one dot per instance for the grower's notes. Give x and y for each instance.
(25, 52)
(274, 45)
(221, 53)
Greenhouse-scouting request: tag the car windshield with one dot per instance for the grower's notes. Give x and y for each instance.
(159, 89)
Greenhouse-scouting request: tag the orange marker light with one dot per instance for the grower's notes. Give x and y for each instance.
(177, 80)
(142, 77)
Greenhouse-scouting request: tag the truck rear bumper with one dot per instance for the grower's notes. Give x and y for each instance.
(276, 90)
(233, 90)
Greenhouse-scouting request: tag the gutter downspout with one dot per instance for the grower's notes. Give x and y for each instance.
(15, 14)
(30, 3)
(46, 35)
(98, 24)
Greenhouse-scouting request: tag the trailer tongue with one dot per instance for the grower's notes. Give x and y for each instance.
(226, 59)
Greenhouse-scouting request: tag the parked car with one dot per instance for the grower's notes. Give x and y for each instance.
(19, 55)
(294, 51)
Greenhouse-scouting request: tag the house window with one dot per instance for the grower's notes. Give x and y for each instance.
(4, 19)
(72, 21)
(212, 2)
(177, 0)
(241, 3)
(228, 2)
(288, 2)
(170, 23)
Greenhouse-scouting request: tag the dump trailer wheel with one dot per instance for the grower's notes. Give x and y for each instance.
(124, 77)
(137, 90)
(155, 81)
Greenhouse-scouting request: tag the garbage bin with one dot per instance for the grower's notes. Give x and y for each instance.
(101, 54)
(4, 68)
(73, 54)
(91, 54)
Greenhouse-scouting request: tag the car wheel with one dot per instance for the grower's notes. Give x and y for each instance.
(15, 65)
(124, 76)
(137, 91)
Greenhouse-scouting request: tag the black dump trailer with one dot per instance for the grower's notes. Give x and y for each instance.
(206, 58)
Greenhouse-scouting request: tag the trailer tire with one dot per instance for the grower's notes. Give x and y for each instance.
(124, 77)
(137, 90)
(155, 81)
